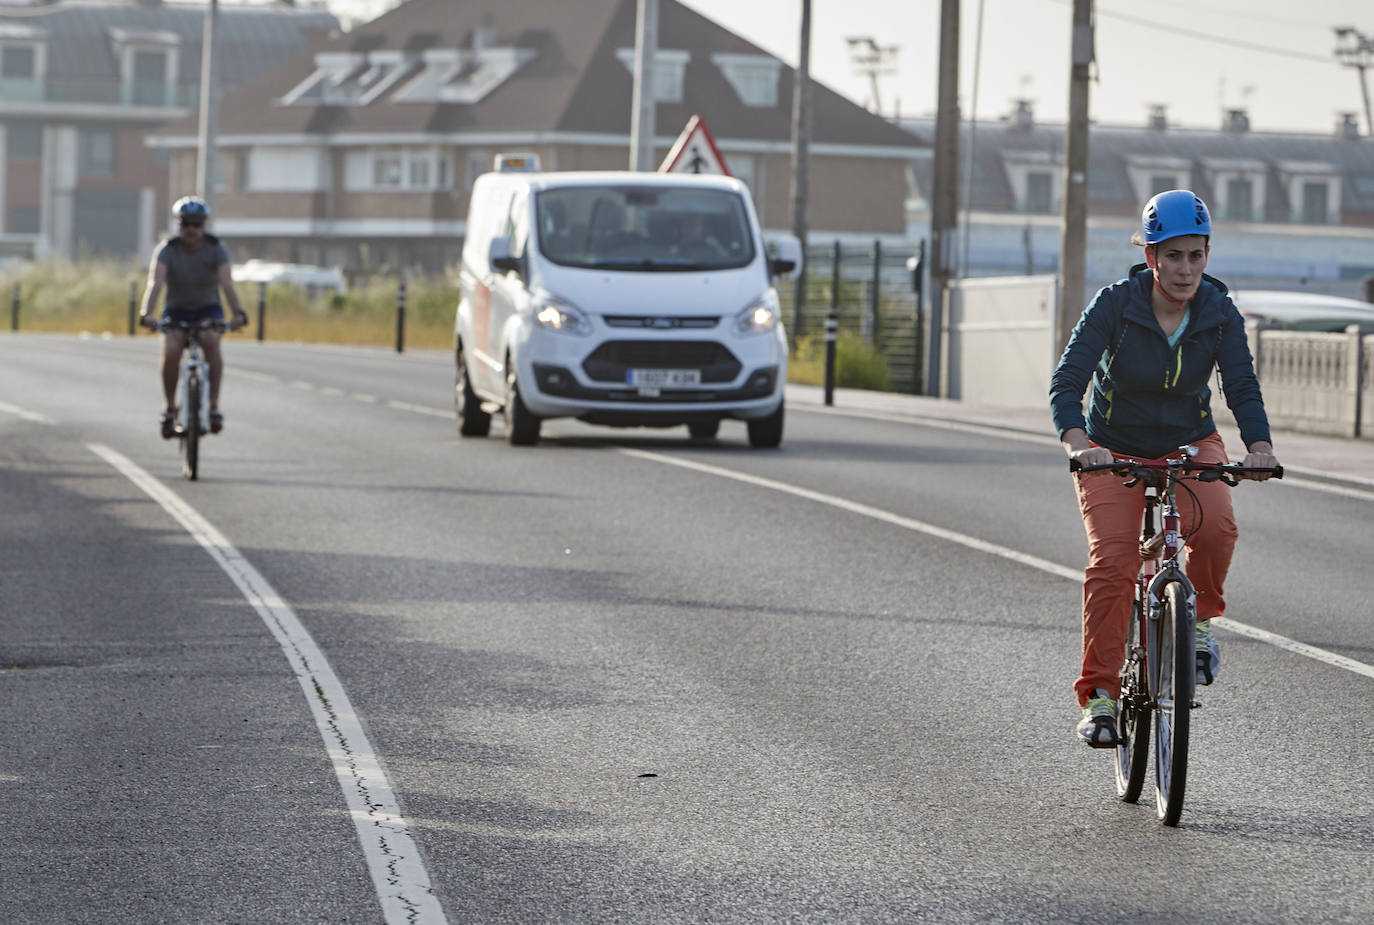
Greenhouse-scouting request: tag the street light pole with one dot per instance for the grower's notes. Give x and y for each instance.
(209, 105)
(642, 116)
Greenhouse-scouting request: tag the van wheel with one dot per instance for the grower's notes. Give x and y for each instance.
(472, 420)
(522, 427)
(766, 433)
(704, 430)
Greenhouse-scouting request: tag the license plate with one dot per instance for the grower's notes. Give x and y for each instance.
(663, 378)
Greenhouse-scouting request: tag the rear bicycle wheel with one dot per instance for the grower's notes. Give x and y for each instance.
(190, 435)
(1133, 719)
(1172, 669)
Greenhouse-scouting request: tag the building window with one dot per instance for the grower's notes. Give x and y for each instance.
(419, 169)
(24, 220)
(18, 62)
(150, 79)
(479, 162)
(1314, 203)
(386, 171)
(754, 77)
(1163, 182)
(24, 141)
(1039, 191)
(669, 68)
(1240, 200)
(96, 150)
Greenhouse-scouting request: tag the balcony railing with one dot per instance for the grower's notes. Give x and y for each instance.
(132, 93)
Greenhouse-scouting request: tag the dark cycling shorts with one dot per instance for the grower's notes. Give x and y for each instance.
(193, 315)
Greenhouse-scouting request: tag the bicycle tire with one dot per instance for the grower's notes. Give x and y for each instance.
(1173, 670)
(190, 436)
(1133, 719)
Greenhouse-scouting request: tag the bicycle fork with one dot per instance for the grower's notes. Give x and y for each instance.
(193, 366)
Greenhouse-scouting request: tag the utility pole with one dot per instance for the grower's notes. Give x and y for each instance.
(944, 198)
(801, 160)
(209, 109)
(1359, 54)
(1073, 238)
(642, 116)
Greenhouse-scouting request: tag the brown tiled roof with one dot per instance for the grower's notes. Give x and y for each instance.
(574, 83)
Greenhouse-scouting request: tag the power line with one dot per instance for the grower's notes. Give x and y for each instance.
(1208, 36)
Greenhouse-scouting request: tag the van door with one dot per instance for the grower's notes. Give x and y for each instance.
(509, 291)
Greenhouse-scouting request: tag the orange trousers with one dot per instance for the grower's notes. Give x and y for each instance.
(1112, 516)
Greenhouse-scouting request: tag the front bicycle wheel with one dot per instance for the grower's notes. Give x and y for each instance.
(190, 436)
(1172, 668)
(1133, 721)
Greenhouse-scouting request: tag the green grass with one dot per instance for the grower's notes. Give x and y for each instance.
(93, 296)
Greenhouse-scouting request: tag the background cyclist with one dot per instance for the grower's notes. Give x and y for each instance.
(1148, 345)
(194, 266)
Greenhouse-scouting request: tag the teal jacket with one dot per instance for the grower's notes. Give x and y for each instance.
(1148, 398)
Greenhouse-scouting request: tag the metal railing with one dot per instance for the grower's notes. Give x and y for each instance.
(872, 291)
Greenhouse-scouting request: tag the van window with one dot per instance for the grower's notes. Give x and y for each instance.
(644, 228)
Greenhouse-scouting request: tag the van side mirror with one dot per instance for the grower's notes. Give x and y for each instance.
(786, 260)
(500, 258)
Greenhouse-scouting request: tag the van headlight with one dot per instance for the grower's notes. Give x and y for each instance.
(557, 315)
(761, 315)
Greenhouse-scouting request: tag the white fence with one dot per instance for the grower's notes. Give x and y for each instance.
(998, 350)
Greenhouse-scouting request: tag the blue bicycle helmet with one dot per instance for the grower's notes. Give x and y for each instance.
(1173, 213)
(191, 207)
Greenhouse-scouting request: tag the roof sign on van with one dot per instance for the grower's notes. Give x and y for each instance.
(516, 163)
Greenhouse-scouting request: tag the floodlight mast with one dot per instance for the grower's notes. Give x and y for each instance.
(1359, 54)
(872, 60)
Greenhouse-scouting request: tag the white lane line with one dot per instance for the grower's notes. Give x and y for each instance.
(393, 858)
(1292, 645)
(1311, 479)
(420, 409)
(26, 415)
(972, 542)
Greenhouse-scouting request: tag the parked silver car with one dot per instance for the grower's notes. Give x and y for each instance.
(1303, 311)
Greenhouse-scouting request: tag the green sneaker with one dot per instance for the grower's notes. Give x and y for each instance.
(1097, 728)
(1208, 653)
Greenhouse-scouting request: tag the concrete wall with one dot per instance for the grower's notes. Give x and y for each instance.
(999, 345)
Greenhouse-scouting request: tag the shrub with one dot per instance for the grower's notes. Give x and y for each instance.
(858, 365)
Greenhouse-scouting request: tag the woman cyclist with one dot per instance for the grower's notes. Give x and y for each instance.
(194, 266)
(1148, 345)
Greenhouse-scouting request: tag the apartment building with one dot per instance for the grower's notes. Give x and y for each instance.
(82, 84)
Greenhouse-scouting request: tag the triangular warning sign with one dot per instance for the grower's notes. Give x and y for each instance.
(694, 151)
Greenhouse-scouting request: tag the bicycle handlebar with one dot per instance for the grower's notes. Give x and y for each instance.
(209, 324)
(1184, 469)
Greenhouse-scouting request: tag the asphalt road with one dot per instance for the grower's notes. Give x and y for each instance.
(619, 676)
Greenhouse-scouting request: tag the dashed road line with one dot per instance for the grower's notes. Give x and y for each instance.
(972, 542)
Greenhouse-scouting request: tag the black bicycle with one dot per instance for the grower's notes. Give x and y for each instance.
(193, 391)
(1159, 673)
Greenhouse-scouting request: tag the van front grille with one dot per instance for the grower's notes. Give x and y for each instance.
(662, 322)
(612, 361)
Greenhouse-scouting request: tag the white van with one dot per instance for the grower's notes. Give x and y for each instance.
(629, 299)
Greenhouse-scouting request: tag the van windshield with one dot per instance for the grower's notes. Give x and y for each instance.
(645, 228)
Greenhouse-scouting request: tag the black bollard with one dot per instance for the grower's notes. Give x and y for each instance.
(133, 308)
(400, 316)
(262, 310)
(14, 309)
(832, 330)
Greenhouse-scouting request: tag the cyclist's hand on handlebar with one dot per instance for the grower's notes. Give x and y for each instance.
(240, 321)
(148, 321)
(1092, 456)
(1260, 456)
